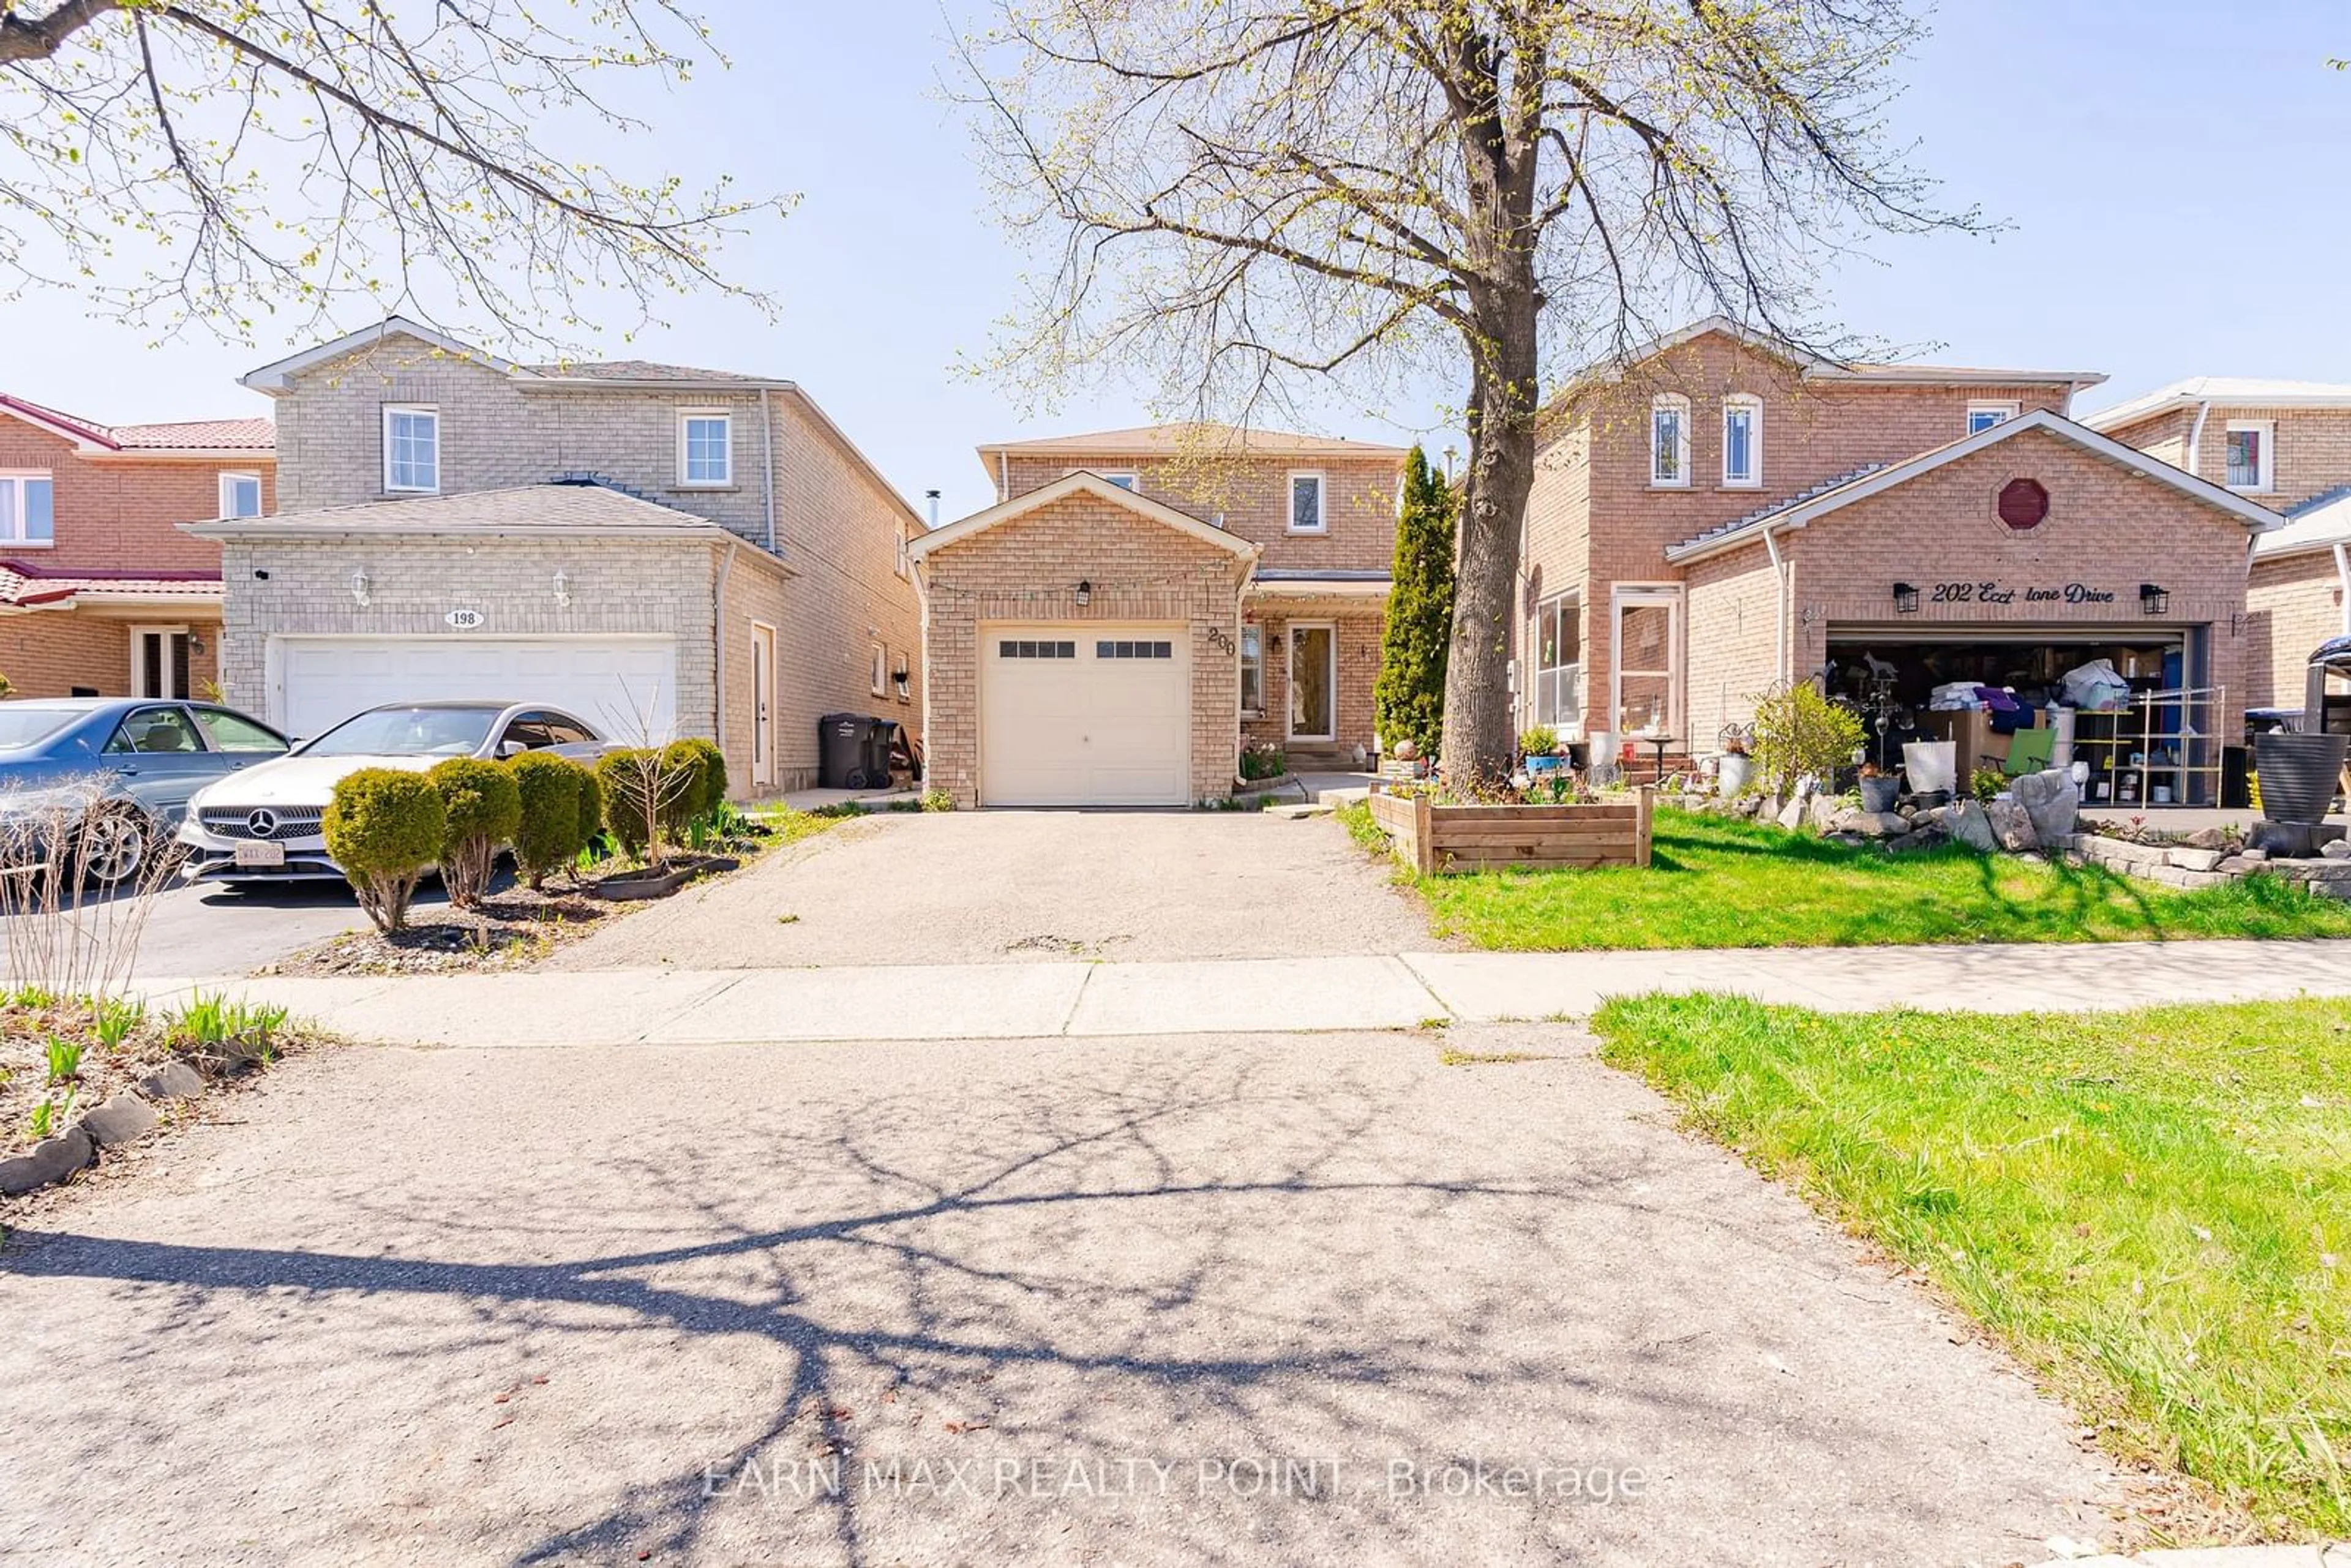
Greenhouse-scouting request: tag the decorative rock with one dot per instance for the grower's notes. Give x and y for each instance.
(2207, 839)
(123, 1118)
(1791, 815)
(2338, 851)
(1823, 813)
(2012, 826)
(2195, 859)
(1918, 838)
(2052, 800)
(1876, 824)
(52, 1159)
(1967, 822)
(173, 1081)
(2254, 855)
(2240, 864)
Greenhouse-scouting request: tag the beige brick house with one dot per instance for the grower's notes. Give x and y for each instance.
(1140, 604)
(100, 593)
(665, 549)
(2287, 445)
(1719, 518)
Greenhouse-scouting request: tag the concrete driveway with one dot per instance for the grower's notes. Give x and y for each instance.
(1273, 1299)
(1012, 886)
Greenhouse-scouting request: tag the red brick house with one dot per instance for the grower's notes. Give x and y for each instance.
(1140, 604)
(1720, 517)
(2287, 445)
(100, 593)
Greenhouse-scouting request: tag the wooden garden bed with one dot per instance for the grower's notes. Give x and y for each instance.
(1439, 839)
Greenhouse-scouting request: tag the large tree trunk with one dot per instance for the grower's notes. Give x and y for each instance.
(1480, 733)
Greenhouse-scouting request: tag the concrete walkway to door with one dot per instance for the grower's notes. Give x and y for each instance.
(991, 887)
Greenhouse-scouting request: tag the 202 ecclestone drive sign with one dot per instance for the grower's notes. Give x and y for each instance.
(2002, 593)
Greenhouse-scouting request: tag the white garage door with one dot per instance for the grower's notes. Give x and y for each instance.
(1085, 714)
(316, 683)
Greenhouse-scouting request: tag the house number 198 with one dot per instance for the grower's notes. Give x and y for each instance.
(466, 620)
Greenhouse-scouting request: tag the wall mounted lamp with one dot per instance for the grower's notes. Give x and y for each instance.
(1906, 600)
(359, 586)
(2153, 601)
(1085, 595)
(562, 589)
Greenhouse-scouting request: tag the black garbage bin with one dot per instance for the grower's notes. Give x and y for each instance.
(853, 751)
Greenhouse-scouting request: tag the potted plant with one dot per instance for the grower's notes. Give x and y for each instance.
(1540, 747)
(1879, 789)
(1734, 771)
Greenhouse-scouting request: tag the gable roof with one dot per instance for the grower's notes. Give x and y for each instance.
(1799, 511)
(255, 436)
(2238, 392)
(561, 507)
(1189, 438)
(1083, 481)
(1813, 367)
(2321, 522)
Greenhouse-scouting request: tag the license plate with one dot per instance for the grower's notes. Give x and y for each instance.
(261, 854)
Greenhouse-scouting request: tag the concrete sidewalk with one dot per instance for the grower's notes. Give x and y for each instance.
(1013, 1001)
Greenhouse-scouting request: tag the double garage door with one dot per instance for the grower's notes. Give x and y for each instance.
(1085, 714)
(621, 684)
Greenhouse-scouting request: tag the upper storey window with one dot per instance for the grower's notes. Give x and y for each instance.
(1307, 511)
(27, 509)
(1742, 442)
(1669, 442)
(2253, 455)
(411, 450)
(240, 495)
(705, 448)
(1124, 481)
(1984, 415)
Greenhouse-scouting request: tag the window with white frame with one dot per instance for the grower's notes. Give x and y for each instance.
(1669, 441)
(240, 495)
(1306, 504)
(1982, 416)
(881, 670)
(706, 448)
(905, 560)
(411, 450)
(1252, 670)
(27, 509)
(1742, 442)
(1125, 481)
(2253, 455)
(1559, 661)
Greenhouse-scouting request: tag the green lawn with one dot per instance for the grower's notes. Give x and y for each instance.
(1719, 883)
(2153, 1209)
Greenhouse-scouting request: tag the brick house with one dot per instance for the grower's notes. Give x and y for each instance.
(1139, 604)
(663, 548)
(2287, 445)
(100, 594)
(1718, 518)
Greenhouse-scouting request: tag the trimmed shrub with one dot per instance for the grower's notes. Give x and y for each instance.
(481, 807)
(385, 827)
(702, 767)
(551, 833)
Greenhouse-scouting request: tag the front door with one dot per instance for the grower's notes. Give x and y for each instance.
(1646, 653)
(1313, 681)
(763, 706)
(159, 661)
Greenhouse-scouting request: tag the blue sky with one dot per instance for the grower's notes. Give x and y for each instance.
(2175, 186)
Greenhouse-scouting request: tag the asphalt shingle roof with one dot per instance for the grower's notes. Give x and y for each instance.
(1765, 514)
(565, 506)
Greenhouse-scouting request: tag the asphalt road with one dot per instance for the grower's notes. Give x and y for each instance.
(1304, 1299)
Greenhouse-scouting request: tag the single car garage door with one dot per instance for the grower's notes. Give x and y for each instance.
(1080, 715)
(316, 683)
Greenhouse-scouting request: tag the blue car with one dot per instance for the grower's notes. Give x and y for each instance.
(115, 772)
